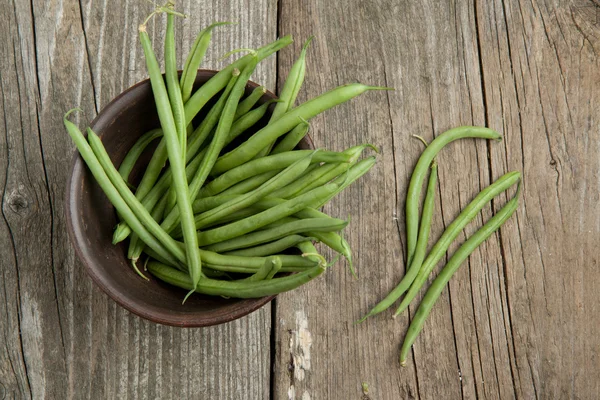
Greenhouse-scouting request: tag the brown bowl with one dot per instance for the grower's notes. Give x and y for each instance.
(91, 221)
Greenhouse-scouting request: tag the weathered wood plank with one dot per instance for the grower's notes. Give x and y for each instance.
(541, 83)
(61, 337)
(429, 53)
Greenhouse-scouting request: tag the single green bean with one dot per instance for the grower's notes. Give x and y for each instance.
(270, 163)
(263, 218)
(289, 92)
(285, 123)
(421, 249)
(454, 229)
(292, 138)
(440, 282)
(249, 102)
(167, 123)
(254, 182)
(351, 176)
(194, 59)
(172, 80)
(277, 232)
(136, 151)
(308, 247)
(235, 289)
(413, 196)
(271, 248)
(111, 192)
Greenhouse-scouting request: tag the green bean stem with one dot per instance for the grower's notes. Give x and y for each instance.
(453, 230)
(136, 151)
(440, 282)
(418, 176)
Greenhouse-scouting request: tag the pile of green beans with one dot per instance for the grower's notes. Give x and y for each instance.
(218, 210)
(420, 264)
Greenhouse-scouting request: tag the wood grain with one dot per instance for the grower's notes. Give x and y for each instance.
(62, 337)
(513, 322)
(518, 320)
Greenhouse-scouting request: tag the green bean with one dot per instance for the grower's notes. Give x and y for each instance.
(337, 243)
(136, 151)
(208, 203)
(156, 214)
(172, 81)
(287, 175)
(270, 163)
(454, 229)
(440, 282)
(289, 92)
(421, 249)
(111, 192)
(235, 289)
(418, 176)
(289, 228)
(175, 158)
(194, 59)
(271, 248)
(263, 218)
(268, 270)
(285, 123)
(249, 102)
(292, 138)
(308, 247)
(220, 79)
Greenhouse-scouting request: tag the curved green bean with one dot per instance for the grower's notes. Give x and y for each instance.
(440, 282)
(413, 270)
(270, 268)
(136, 151)
(418, 176)
(454, 229)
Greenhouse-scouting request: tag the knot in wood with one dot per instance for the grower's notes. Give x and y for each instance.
(17, 202)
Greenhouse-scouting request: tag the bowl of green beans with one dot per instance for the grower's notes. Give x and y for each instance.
(195, 196)
(92, 218)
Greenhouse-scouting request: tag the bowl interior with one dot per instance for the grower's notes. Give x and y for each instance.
(91, 220)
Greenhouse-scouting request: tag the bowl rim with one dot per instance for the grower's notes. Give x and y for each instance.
(78, 241)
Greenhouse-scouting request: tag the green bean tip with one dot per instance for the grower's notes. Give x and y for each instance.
(251, 51)
(71, 111)
(307, 43)
(381, 88)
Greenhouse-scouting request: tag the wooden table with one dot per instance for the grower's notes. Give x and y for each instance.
(519, 320)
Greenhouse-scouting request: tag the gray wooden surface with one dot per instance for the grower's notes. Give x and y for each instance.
(519, 320)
